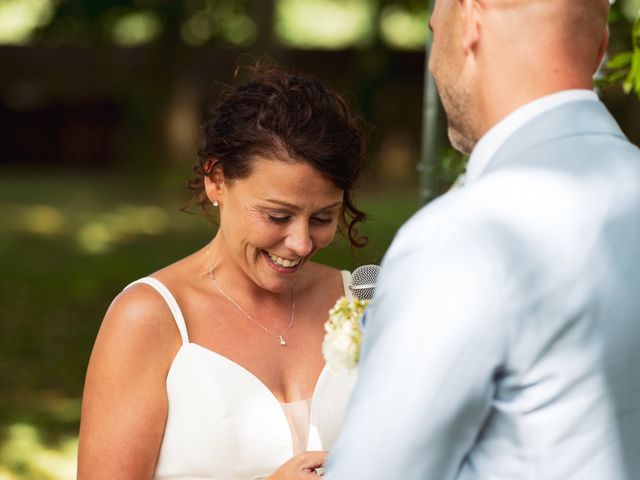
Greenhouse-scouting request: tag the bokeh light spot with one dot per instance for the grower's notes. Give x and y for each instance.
(630, 9)
(403, 29)
(220, 19)
(24, 452)
(197, 29)
(20, 18)
(324, 24)
(153, 220)
(43, 219)
(240, 30)
(95, 237)
(136, 28)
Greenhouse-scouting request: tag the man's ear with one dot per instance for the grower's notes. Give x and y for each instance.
(213, 180)
(470, 25)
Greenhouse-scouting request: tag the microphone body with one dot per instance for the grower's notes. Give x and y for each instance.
(363, 281)
(363, 285)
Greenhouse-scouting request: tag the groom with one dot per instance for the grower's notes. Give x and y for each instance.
(504, 342)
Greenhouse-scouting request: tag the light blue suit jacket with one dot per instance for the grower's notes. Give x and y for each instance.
(504, 341)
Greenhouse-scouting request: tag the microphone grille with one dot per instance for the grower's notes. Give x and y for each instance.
(363, 281)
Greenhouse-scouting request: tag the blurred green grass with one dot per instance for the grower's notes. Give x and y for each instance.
(69, 244)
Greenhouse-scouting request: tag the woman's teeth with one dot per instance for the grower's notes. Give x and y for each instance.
(283, 262)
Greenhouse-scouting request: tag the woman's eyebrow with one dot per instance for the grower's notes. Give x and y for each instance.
(295, 207)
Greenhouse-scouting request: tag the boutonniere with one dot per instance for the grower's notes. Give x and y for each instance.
(341, 345)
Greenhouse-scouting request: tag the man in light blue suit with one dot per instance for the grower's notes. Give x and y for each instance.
(504, 341)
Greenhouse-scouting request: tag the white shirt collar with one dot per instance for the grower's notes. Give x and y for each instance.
(491, 141)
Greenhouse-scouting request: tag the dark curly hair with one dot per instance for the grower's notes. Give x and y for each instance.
(274, 112)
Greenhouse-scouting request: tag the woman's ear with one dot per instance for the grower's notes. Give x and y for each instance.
(213, 180)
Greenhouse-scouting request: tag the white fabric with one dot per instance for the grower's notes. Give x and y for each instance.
(298, 415)
(489, 144)
(346, 281)
(223, 423)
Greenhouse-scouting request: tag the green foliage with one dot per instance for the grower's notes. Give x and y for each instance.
(321, 23)
(24, 456)
(139, 22)
(324, 24)
(625, 66)
(444, 173)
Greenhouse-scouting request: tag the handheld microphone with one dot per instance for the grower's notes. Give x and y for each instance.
(363, 281)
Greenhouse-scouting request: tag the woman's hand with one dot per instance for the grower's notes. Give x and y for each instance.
(301, 467)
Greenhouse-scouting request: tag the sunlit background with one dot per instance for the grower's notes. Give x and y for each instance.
(100, 102)
(323, 24)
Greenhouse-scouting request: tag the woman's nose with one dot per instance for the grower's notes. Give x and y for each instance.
(298, 240)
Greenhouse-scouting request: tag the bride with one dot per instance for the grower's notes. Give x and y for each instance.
(212, 366)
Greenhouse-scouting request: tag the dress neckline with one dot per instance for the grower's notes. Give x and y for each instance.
(176, 311)
(256, 379)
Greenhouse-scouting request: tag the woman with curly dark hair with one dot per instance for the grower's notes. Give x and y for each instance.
(212, 367)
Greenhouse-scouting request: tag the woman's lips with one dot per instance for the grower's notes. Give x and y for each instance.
(280, 268)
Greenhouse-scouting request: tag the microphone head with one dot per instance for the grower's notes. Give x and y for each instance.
(363, 281)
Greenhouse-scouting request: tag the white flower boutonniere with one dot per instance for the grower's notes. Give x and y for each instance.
(341, 346)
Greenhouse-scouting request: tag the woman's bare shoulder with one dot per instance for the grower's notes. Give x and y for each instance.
(142, 305)
(140, 318)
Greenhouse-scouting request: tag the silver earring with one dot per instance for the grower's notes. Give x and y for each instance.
(215, 203)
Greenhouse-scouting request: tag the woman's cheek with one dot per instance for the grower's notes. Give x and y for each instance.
(325, 238)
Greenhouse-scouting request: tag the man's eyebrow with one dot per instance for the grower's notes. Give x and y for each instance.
(291, 206)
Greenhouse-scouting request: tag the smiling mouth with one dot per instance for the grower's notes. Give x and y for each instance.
(283, 262)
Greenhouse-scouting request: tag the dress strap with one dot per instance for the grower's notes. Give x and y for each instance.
(171, 302)
(346, 281)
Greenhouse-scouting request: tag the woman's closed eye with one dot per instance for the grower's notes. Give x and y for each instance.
(286, 218)
(279, 218)
(322, 220)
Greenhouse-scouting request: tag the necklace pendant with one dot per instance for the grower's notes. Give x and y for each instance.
(282, 341)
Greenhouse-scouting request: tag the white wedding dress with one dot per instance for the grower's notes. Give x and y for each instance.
(223, 423)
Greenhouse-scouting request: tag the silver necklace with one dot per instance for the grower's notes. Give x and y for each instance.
(283, 342)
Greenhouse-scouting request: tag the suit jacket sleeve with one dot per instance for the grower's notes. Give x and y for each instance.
(434, 341)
